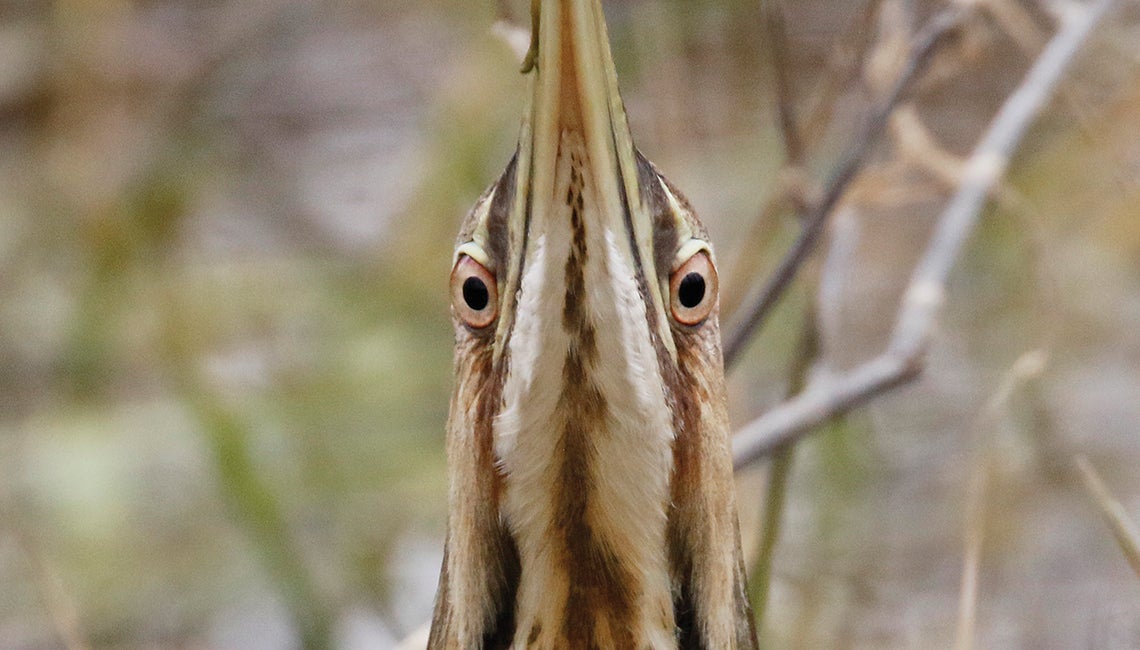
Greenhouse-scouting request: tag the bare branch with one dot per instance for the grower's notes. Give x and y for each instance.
(756, 311)
(903, 359)
(843, 242)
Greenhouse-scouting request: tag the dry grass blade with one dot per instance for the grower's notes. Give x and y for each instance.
(1123, 528)
(1028, 366)
(972, 557)
(59, 603)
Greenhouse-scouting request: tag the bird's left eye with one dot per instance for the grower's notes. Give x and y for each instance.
(474, 294)
(693, 290)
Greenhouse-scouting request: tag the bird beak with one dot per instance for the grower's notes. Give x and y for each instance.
(575, 103)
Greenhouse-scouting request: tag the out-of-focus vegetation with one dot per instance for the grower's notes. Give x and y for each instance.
(225, 230)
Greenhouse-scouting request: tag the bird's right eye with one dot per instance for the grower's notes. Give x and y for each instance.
(474, 294)
(693, 290)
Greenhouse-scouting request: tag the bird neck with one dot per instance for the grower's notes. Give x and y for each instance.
(584, 439)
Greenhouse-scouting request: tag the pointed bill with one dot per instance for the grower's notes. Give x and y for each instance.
(575, 94)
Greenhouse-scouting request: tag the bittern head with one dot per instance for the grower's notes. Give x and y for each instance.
(591, 499)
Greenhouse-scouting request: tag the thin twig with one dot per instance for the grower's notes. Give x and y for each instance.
(776, 33)
(904, 357)
(755, 312)
(1123, 528)
(779, 475)
(844, 62)
(1016, 22)
(792, 194)
(790, 191)
(775, 496)
(794, 190)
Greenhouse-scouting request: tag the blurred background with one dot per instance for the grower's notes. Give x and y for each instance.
(225, 235)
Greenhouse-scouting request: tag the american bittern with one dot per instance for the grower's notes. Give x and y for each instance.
(591, 495)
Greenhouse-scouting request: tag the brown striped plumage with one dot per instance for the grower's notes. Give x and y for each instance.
(591, 499)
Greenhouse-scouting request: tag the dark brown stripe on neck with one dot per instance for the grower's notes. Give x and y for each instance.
(502, 549)
(600, 588)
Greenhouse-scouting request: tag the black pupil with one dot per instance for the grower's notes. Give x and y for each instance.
(692, 290)
(476, 296)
